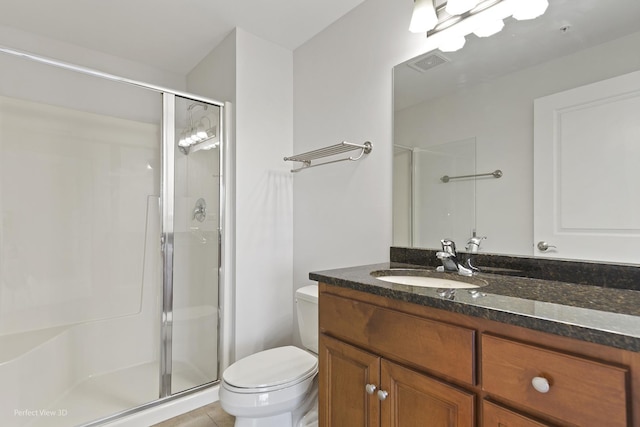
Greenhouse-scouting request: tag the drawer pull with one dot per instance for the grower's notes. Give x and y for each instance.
(370, 388)
(541, 384)
(382, 395)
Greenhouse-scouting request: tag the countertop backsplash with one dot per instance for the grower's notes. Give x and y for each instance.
(606, 275)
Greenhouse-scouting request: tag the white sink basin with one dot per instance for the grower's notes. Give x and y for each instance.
(428, 282)
(428, 279)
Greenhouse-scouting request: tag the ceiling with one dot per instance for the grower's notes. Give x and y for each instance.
(172, 35)
(567, 26)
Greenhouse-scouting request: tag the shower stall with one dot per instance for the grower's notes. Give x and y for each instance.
(111, 223)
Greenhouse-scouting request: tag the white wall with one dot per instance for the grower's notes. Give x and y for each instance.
(264, 210)
(263, 100)
(343, 91)
(215, 75)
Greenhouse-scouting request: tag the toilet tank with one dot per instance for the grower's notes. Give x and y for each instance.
(307, 309)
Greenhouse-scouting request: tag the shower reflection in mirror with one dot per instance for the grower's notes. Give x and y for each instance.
(425, 209)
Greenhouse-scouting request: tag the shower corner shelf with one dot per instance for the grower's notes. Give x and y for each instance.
(343, 147)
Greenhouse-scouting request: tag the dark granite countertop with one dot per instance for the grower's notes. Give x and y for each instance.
(595, 314)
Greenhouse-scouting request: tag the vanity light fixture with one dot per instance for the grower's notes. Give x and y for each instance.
(484, 18)
(489, 28)
(424, 16)
(530, 9)
(197, 133)
(458, 7)
(451, 44)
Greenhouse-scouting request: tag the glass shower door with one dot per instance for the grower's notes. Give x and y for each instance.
(194, 352)
(79, 250)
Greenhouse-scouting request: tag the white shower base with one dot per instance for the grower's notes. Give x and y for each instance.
(113, 392)
(70, 376)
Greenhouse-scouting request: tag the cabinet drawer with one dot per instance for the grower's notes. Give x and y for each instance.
(419, 342)
(497, 416)
(581, 391)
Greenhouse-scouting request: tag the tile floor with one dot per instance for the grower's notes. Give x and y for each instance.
(208, 416)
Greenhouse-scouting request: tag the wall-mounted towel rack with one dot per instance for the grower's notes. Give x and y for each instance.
(496, 174)
(343, 147)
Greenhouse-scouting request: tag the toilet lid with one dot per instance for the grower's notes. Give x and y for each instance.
(269, 368)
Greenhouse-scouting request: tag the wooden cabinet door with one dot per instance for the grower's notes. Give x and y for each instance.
(345, 372)
(416, 400)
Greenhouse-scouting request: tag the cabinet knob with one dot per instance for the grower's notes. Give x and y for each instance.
(541, 384)
(370, 388)
(382, 395)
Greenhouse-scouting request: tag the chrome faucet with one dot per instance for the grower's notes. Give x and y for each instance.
(449, 259)
(472, 249)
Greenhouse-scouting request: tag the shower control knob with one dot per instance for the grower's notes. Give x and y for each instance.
(370, 388)
(382, 395)
(200, 210)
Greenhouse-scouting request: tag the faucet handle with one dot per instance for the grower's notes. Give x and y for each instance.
(474, 244)
(448, 246)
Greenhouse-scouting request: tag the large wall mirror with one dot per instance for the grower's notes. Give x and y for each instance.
(554, 105)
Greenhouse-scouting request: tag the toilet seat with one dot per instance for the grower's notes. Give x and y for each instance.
(269, 370)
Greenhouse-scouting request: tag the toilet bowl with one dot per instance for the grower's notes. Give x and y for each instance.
(277, 387)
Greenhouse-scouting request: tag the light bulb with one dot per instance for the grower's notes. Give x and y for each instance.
(452, 43)
(458, 7)
(489, 28)
(530, 9)
(183, 142)
(424, 16)
(195, 136)
(200, 130)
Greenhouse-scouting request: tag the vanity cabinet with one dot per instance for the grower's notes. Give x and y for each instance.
(385, 362)
(359, 388)
(377, 383)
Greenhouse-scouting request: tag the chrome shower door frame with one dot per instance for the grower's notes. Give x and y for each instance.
(167, 238)
(167, 234)
(167, 191)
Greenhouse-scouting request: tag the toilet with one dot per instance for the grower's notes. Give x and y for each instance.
(278, 387)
